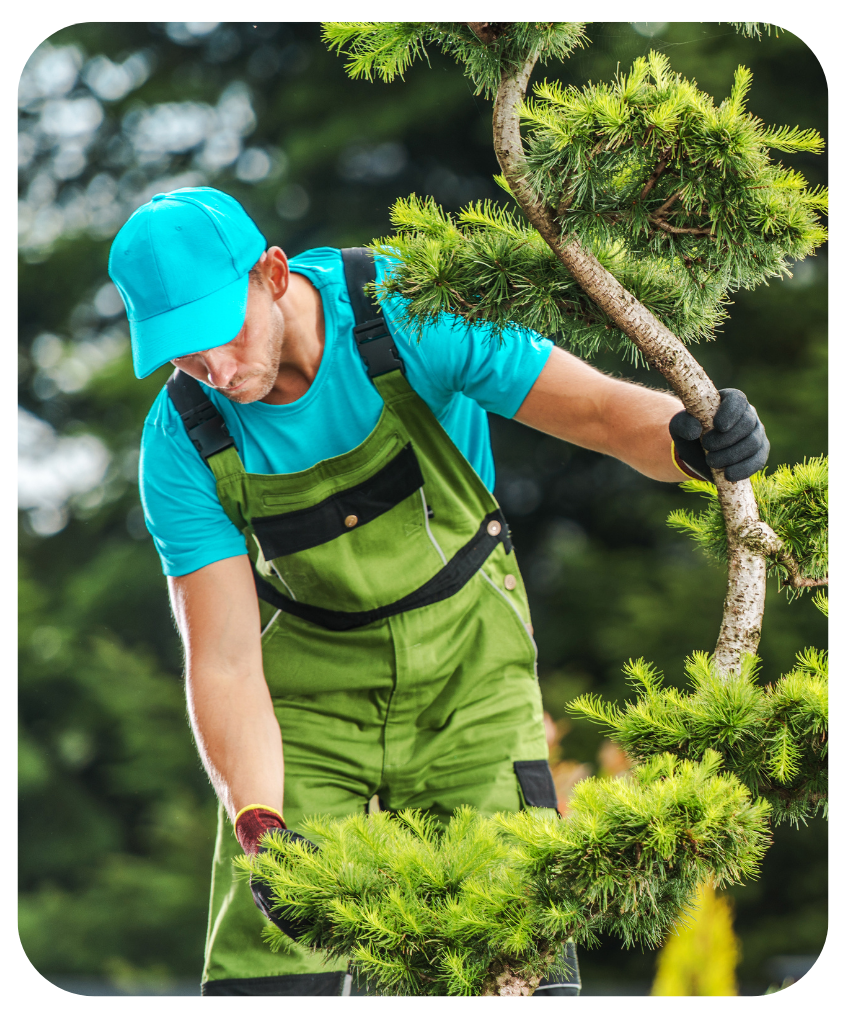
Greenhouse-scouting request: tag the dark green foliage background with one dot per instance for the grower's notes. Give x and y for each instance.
(116, 813)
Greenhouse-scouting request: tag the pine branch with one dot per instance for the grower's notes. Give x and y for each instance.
(774, 738)
(692, 230)
(744, 603)
(484, 905)
(656, 173)
(792, 532)
(662, 210)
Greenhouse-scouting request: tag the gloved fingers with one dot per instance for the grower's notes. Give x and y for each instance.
(685, 426)
(716, 440)
(748, 467)
(739, 451)
(291, 926)
(733, 404)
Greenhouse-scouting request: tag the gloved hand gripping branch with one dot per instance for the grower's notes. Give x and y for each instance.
(738, 443)
(251, 824)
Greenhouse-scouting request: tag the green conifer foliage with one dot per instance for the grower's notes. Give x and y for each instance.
(676, 196)
(774, 737)
(792, 500)
(483, 906)
(386, 49)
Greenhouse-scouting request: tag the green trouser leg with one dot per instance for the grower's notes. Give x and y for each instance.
(427, 709)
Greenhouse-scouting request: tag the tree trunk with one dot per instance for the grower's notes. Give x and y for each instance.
(504, 981)
(743, 608)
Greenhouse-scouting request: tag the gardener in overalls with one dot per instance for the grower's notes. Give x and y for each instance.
(318, 486)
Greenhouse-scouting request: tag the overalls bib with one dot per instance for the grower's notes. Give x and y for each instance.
(396, 643)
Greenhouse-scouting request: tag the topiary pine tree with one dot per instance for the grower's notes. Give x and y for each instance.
(484, 906)
(641, 206)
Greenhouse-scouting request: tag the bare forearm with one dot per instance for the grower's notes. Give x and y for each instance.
(573, 401)
(238, 738)
(639, 432)
(229, 704)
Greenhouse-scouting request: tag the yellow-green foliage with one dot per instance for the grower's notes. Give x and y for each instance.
(485, 265)
(651, 161)
(775, 738)
(386, 49)
(423, 910)
(700, 956)
(792, 500)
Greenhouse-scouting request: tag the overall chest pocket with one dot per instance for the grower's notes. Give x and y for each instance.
(301, 529)
(359, 548)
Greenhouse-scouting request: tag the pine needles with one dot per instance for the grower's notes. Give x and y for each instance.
(774, 738)
(676, 196)
(650, 161)
(792, 500)
(485, 905)
(385, 49)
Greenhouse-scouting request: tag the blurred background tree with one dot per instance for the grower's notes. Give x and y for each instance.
(114, 887)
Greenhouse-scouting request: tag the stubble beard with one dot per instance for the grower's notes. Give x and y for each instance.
(261, 384)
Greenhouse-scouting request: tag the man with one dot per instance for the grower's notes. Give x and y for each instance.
(318, 487)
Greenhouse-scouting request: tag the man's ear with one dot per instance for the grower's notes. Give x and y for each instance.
(274, 268)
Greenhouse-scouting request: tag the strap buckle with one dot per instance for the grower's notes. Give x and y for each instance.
(377, 347)
(206, 429)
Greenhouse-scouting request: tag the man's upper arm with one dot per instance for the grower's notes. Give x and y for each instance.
(216, 610)
(178, 492)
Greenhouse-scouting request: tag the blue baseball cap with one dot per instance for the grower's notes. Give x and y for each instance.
(181, 264)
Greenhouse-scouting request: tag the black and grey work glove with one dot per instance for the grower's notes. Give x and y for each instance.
(251, 824)
(738, 443)
(291, 926)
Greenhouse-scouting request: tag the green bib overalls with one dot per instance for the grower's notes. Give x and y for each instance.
(396, 643)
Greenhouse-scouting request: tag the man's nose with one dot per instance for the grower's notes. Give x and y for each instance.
(221, 366)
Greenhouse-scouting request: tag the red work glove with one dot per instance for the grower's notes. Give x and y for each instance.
(254, 821)
(251, 823)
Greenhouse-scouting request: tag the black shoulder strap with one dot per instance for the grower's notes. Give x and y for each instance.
(372, 335)
(203, 421)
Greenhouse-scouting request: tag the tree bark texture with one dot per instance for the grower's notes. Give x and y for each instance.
(503, 980)
(743, 608)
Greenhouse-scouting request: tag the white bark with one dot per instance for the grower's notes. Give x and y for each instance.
(743, 608)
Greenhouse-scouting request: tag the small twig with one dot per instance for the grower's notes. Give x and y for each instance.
(656, 173)
(806, 581)
(661, 211)
(597, 148)
(688, 264)
(760, 537)
(695, 231)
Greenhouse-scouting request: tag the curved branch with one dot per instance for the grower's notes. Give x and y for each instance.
(662, 210)
(656, 173)
(696, 231)
(760, 537)
(743, 608)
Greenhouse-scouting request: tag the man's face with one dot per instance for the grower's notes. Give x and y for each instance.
(245, 369)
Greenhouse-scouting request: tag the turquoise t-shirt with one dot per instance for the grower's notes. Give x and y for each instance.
(460, 372)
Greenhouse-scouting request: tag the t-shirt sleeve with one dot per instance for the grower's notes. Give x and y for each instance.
(496, 371)
(179, 497)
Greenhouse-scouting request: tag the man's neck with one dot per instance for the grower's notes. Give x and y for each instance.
(304, 341)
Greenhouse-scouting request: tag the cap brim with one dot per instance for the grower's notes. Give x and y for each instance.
(203, 324)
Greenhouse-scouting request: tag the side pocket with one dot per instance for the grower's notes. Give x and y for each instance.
(536, 784)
